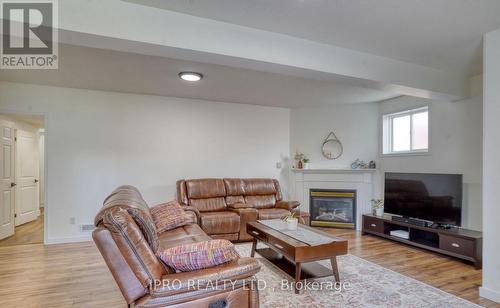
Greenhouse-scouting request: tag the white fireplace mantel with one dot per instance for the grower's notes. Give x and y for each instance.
(360, 180)
(331, 170)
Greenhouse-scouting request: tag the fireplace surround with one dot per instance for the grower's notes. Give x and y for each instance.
(332, 208)
(360, 180)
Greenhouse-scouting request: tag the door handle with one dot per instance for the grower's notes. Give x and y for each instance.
(36, 181)
(13, 184)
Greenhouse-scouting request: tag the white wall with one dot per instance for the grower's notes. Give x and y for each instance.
(456, 142)
(98, 140)
(455, 147)
(491, 167)
(355, 125)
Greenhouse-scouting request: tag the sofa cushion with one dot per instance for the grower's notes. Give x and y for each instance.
(274, 213)
(205, 188)
(220, 222)
(180, 233)
(191, 257)
(168, 216)
(255, 187)
(231, 200)
(209, 204)
(235, 187)
(261, 202)
(227, 236)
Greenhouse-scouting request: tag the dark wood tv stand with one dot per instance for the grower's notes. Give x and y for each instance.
(455, 242)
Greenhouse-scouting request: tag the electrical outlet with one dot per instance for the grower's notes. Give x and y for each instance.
(278, 165)
(87, 228)
(72, 220)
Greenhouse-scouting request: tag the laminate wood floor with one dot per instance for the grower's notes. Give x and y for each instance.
(28, 233)
(445, 273)
(75, 275)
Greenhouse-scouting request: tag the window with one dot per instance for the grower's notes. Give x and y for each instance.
(406, 132)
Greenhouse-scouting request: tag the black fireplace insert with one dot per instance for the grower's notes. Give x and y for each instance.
(332, 208)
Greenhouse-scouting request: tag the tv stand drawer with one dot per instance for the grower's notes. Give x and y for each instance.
(373, 224)
(457, 245)
(458, 242)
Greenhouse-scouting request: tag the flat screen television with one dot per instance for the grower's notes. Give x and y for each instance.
(432, 197)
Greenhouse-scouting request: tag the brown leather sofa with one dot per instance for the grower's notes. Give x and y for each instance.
(129, 251)
(226, 205)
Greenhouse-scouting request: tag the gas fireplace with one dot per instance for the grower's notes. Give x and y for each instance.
(333, 208)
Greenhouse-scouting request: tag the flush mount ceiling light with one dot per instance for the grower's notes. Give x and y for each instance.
(190, 76)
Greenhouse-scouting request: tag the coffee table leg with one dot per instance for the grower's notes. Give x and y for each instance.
(297, 276)
(254, 246)
(335, 269)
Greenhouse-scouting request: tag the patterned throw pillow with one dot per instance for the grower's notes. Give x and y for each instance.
(168, 216)
(191, 257)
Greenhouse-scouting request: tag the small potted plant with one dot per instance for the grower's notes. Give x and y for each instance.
(378, 207)
(305, 163)
(291, 221)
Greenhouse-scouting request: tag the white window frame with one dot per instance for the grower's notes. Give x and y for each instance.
(387, 132)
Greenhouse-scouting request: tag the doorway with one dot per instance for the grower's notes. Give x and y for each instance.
(22, 147)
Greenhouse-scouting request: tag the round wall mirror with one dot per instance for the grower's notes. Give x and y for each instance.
(332, 147)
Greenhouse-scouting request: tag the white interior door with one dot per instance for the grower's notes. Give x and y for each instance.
(7, 176)
(27, 198)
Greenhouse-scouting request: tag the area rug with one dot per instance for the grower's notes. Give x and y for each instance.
(368, 285)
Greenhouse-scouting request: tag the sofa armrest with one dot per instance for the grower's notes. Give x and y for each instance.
(239, 206)
(193, 213)
(247, 214)
(241, 270)
(287, 205)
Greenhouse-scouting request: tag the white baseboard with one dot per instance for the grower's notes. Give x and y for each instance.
(64, 240)
(489, 294)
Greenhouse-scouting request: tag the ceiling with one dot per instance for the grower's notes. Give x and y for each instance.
(100, 69)
(444, 34)
(35, 120)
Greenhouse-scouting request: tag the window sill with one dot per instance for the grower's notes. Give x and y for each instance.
(402, 154)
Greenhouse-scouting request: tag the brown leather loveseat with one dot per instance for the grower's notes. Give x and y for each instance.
(226, 205)
(129, 251)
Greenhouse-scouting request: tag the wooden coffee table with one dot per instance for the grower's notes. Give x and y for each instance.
(296, 257)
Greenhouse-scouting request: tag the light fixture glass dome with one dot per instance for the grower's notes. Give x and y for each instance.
(190, 76)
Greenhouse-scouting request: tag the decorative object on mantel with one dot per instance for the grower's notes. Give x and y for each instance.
(333, 170)
(372, 165)
(359, 164)
(332, 147)
(298, 160)
(378, 207)
(302, 162)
